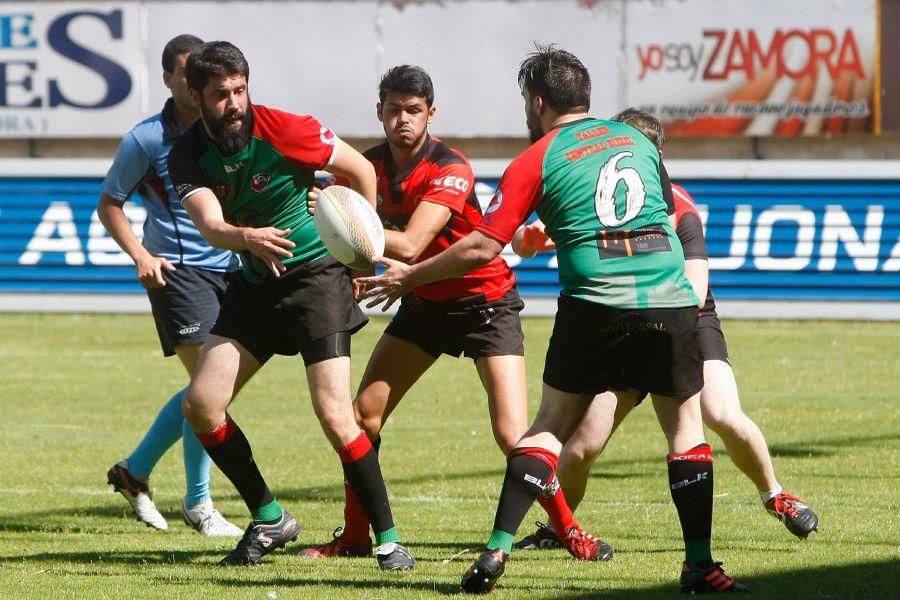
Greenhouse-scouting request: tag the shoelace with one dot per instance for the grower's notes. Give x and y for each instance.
(784, 504)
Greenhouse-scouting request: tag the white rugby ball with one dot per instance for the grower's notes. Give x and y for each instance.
(349, 227)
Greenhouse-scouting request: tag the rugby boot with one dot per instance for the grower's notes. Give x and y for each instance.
(583, 546)
(708, 580)
(261, 539)
(794, 513)
(339, 546)
(138, 495)
(544, 538)
(207, 521)
(482, 576)
(394, 557)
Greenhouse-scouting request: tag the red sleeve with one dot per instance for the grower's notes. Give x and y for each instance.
(299, 138)
(518, 193)
(688, 225)
(449, 186)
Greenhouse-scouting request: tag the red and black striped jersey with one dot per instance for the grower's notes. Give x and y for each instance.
(689, 228)
(439, 174)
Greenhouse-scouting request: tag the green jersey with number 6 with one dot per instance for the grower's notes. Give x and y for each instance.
(600, 189)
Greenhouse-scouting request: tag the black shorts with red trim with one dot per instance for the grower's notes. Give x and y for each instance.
(309, 310)
(595, 348)
(472, 326)
(186, 308)
(711, 338)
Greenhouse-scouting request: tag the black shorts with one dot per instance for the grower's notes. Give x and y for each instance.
(595, 348)
(711, 339)
(473, 326)
(187, 306)
(308, 310)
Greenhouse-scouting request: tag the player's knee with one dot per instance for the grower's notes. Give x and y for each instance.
(371, 424)
(577, 456)
(723, 423)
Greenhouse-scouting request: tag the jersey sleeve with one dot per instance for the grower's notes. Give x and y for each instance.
(450, 186)
(129, 169)
(517, 196)
(689, 227)
(184, 168)
(299, 138)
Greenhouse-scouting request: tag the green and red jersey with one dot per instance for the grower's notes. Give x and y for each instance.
(264, 184)
(598, 186)
(442, 175)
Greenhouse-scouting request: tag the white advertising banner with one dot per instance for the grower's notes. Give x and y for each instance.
(758, 67)
(70, 69)
(706, 67)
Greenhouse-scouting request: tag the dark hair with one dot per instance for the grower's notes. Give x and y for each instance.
(215, 59)
(407, 79)
(558, 77)
(645, 123)
(177, 46)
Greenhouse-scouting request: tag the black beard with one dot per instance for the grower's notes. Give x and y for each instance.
(230, 142)
(534, 134)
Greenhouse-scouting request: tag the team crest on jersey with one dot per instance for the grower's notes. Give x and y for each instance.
(260, 181)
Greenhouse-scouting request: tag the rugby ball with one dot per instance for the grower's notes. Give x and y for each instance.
(349, 227)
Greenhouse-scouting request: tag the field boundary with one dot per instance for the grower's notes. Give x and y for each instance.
(534, 307)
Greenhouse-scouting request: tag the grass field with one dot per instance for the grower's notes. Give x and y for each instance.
(77, 392)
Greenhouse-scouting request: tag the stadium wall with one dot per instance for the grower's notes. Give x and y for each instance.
(787, 239)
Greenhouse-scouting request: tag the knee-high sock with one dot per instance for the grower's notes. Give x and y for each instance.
(553, 501)
(363, 473)
(229, 449)
(528, 470)
(196, 467)
(356, 523)
(691, 484)
(165, 431)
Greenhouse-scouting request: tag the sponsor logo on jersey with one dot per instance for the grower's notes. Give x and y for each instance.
(233, 168)
(453, 182)
(189, 329)
(260, 181)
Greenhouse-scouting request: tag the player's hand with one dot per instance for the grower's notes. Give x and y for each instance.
(360, 287)
(390, 286)
(268, 244)
(149, 271)
(311, 197)
(534, 238)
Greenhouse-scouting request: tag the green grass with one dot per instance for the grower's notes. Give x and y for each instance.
(76, 393)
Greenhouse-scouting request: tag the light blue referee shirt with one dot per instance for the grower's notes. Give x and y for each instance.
(140, 166)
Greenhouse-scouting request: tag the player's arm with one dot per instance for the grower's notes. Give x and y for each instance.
(697, 272)
(423, 226)
(348, 163)
(149, 268)
(268, 243)
(689, 229)
(128, 170)
(446, 190)
(473, 251)
(521, 187)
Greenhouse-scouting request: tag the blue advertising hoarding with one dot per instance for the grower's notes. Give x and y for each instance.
(778, 231)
